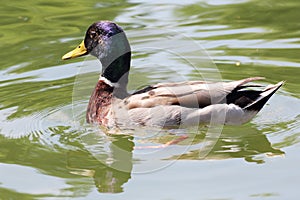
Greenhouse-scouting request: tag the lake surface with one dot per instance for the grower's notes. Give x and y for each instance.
(47, 151)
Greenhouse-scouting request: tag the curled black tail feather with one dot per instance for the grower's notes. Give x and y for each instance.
(263, 98)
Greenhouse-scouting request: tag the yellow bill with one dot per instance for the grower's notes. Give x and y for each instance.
(78, 51)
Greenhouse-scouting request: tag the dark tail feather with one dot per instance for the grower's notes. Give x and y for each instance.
(263, 97)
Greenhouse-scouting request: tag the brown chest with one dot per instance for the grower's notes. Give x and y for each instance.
(100, 104)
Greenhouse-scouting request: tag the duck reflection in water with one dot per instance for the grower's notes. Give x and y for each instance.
(110, 170)
(112, 167)
(252, 145)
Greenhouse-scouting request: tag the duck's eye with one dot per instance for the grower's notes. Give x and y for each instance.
(93, 34)
(79, 47)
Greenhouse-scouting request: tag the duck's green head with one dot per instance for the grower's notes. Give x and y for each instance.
(108, 42)
(104, 40)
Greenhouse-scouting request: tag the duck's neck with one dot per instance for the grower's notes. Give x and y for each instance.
(116, 65)
(116, 72)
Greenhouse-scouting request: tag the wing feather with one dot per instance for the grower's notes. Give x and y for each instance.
(192, 94)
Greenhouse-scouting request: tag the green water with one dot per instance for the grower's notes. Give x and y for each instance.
(47, 151)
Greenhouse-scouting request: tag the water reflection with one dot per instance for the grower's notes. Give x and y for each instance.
(235, 142)
(108, 160)
(109, 171)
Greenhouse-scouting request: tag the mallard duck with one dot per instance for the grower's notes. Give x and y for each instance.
(163, 104)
